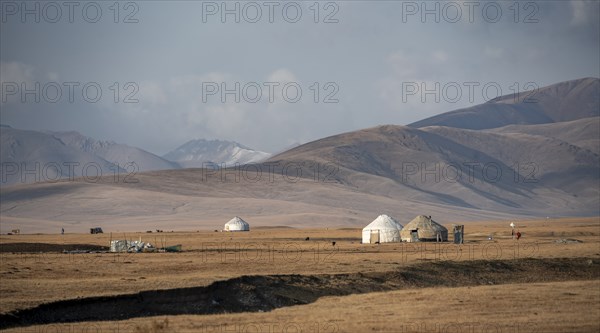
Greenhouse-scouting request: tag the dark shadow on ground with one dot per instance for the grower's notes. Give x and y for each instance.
(265, 293)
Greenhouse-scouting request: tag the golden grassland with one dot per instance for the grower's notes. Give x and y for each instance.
(30, 279)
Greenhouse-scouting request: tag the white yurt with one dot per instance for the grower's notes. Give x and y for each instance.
(236, 224)
(384, 229)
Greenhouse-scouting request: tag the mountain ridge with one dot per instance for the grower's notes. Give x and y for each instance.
(563, 101)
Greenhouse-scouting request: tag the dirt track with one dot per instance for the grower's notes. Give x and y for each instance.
(265, 293)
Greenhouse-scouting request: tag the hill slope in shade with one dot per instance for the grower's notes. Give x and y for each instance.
(31, 156)
(476, 169)
(583, 133)
(565, 101)
(72, 153)
(119, 154)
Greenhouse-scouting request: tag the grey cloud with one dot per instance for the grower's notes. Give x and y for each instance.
(368, 54)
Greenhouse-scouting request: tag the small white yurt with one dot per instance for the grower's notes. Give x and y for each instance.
(236, 224)
(384, 229)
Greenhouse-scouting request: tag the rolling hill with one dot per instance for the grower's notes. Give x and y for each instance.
(456, 174)
(583, 133)
(565, 101)
(476, 169)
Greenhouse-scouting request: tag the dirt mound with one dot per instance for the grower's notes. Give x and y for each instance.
(273, 227)
(265, 293)
(568, 241)
(44, 247)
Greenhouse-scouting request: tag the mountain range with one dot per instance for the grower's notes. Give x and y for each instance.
(498, 166)
(504, 159)
(58, 155)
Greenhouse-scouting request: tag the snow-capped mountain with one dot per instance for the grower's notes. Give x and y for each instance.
(202, 153)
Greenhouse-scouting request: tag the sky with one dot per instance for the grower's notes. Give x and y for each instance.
(270, 74)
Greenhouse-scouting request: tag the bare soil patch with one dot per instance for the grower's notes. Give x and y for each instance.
(48, 248)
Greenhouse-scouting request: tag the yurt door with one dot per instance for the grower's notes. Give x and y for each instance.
(414, 234)
(374, 236)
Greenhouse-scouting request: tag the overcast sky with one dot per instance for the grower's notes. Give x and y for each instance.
(171, 60)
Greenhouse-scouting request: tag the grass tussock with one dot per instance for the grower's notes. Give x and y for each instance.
(156, 326)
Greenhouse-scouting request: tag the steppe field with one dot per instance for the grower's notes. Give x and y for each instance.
(173, 125)
(296, 280)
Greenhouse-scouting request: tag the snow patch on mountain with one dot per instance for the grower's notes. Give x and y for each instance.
(203, 153)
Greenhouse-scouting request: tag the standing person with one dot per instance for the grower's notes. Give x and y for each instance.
(62, 231)
(518, 235)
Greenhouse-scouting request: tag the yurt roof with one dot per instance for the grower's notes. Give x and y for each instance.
(383, 222)
(237, 220)
(424, 222)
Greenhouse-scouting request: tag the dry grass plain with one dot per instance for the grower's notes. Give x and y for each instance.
(33, 278)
